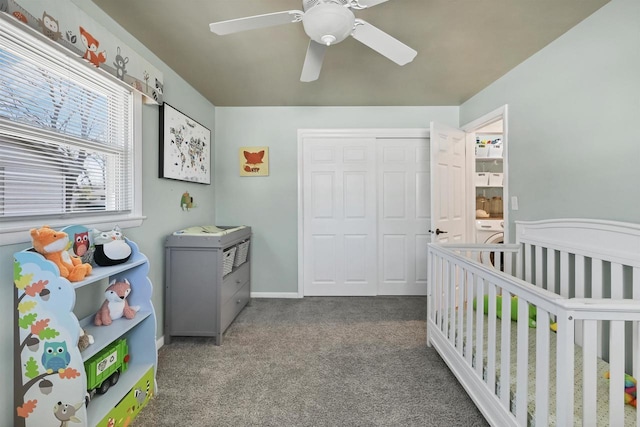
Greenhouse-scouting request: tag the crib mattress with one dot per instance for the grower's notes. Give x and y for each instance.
(602, 382)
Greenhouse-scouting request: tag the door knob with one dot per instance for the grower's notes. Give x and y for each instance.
(438, 232)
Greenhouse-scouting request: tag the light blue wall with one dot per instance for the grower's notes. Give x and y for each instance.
(270, 204)
(574, 110)
(161, 202)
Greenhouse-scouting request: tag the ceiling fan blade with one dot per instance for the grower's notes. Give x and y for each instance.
(383, 43)
(253, 22)
(313, 62)
(362, 4)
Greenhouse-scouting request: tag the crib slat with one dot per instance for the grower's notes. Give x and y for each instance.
(519, 273)
(565, 370)
(527, 262)
(589, 373)
(539, 270)
(617, 281)
(491, 338)
(596, 292)
(596, 278)
(616, 381)
(451, 303)
(437, 291)
(580, 287)
(479, 341)
(505, 353)
(445, 298)
(522, 362)
(580, 278)
(460, 308)
(551, 270)
(542, 368)
(508, 263)
(564, 274)
(469, 338)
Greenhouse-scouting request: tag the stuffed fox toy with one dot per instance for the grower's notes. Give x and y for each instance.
(53, 246)
(115, 304)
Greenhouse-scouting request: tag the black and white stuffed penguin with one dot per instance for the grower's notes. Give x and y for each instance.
(110, 247)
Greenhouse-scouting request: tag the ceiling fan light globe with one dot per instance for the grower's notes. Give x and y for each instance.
(328, 23)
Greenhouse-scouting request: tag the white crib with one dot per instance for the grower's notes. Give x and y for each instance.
(582, 275)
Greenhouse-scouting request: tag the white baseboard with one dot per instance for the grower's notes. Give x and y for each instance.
(159, 342)
(274, 295)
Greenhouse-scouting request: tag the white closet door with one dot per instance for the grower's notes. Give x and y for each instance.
(403, 215)
(339, 216)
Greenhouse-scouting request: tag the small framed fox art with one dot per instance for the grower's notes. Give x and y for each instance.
(254, 161)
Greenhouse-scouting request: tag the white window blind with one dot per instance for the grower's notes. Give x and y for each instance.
(66, 133)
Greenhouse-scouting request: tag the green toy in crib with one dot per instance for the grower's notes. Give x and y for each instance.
(514, 309)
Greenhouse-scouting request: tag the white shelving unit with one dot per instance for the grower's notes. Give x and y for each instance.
(44, 304)
(492, 194)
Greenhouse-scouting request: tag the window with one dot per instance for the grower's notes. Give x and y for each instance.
(67, 148)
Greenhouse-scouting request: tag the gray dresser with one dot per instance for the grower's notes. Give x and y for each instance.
(207, 280)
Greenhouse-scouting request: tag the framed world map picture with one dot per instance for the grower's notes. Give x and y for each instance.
(185, 147)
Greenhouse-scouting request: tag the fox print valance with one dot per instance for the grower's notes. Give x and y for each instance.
(64, 23)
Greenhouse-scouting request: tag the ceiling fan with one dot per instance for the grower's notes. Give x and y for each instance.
(326, 22)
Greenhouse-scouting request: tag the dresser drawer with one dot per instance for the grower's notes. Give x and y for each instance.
(233, 306)
(233, 282)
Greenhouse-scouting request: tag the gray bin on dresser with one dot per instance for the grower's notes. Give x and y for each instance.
(206, 286)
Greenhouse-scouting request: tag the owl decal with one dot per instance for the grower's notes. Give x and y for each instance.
(55, 356)
(110, 247)
(50, 26)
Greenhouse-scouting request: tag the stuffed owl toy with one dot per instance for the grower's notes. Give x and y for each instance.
(55, 357)
(110, 247)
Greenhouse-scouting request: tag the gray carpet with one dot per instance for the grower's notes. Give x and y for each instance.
(354, 361)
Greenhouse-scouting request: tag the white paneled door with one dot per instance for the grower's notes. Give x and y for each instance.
(339, 216)
(365, 215)
(448, 159)
(403, 215)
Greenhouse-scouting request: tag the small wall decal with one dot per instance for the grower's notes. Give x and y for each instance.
(254, 161)
(186, 201)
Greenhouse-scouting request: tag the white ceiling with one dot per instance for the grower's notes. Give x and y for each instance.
(463, 46)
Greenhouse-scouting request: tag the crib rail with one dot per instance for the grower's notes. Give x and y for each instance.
(474, 322)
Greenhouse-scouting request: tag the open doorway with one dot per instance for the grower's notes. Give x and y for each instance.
(487, 183)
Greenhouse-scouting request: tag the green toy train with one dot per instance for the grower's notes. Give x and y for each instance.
(104, 369)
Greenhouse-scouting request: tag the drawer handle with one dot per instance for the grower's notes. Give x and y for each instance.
(238, 281)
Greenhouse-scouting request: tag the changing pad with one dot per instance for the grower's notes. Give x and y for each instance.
(210, 230)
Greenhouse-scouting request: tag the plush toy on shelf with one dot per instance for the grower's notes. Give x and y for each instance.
(110, 248)
(54, 245)
(85, 340)
(115, 305)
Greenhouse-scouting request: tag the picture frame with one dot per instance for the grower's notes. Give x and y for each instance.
(254, 161)
(185, 147)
